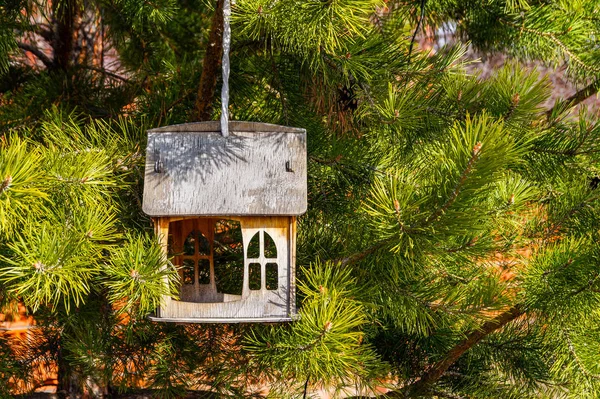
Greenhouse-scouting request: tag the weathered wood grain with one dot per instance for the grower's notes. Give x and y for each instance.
(234, 126)
(260, 169)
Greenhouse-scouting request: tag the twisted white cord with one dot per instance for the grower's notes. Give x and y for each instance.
(225, 63)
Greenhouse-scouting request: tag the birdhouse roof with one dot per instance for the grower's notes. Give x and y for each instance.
(259, 169)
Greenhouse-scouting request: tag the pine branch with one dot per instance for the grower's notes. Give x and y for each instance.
(439, 369)
(461, 181)
(168, 108)
(210, 66)
(552, 229)
(578, 361)
(363, 254)
(552, 37)
(587, 286)
(38, 53)
(458, 187)
(570, 153)
(584, 93)
(107, 73)
(469, 244)
(45, 31)
(578, 97)
(353, 81)
(277, 79)
(563, 266)
(414, 36)
(447, 395)
(305, 387)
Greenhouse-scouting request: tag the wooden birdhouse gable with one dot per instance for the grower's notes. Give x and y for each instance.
(225, 211)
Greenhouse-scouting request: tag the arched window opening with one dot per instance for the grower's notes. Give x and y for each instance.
(210, 255)
(254, 247)
(263, 267)
(270, 249)
(188, 271)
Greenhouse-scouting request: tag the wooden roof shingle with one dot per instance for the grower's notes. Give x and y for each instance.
(259, 169)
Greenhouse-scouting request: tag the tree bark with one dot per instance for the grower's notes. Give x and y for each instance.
(211, 65)
(48, 63)
(65, 14)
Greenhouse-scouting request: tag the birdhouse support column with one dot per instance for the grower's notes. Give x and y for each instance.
(161, 230)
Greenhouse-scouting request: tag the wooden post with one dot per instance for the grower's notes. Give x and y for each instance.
(292, 267)
(161, 229)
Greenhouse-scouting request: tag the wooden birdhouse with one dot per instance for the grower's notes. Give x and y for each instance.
(225, 210)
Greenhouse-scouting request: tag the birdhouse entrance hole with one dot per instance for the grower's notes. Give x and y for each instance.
(210, 256)
(230, 267)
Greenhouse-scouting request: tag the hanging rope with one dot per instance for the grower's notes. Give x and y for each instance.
(225, 63)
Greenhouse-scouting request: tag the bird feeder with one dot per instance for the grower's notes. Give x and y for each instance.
(225, 208)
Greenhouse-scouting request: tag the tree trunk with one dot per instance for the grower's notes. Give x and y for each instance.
(68, 383)
(65, 14)
(211, 65)
(62, 376)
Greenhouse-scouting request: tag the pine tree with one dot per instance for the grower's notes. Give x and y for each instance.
(450, 246)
